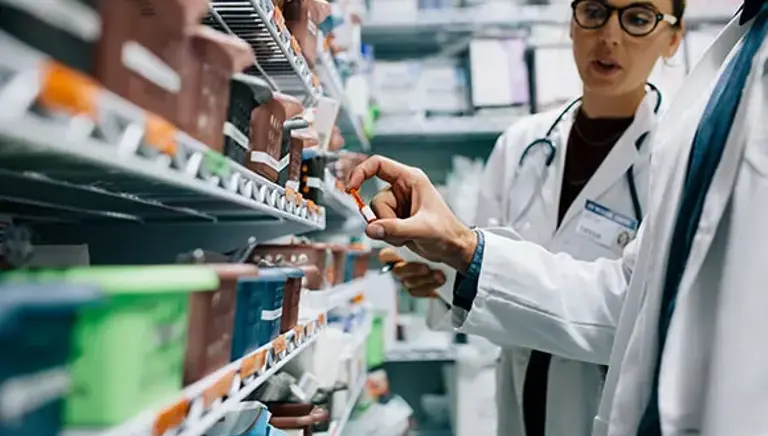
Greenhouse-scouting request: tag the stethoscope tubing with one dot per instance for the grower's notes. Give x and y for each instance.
(551, 147)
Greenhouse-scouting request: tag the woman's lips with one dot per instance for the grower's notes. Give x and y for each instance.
(605, 67)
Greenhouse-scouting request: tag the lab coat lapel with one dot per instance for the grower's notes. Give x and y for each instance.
(627, 386)
(623, 155)
(554, 184)
(722, 185)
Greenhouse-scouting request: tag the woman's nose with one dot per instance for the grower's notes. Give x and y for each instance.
(611, 32)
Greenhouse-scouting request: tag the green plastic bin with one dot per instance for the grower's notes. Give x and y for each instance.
(374, 352)
(128, 353)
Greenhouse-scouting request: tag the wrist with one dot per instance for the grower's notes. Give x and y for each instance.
(463, 248)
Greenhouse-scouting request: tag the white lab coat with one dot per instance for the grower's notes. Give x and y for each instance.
(714, 368)
(574, 387)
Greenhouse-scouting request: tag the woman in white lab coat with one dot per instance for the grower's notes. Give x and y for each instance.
(599, 153)
(684, 360)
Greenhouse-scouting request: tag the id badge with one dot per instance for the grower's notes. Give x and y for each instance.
(606, 227)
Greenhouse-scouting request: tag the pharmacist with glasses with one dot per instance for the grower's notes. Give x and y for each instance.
(574, 181)
(679, 318)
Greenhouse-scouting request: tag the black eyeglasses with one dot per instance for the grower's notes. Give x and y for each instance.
(636, 19)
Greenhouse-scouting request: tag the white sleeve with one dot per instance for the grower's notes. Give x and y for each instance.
(530, 297)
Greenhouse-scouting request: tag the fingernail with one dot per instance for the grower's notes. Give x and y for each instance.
(376, 231)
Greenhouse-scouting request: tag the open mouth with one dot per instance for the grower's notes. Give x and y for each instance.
(606, 67)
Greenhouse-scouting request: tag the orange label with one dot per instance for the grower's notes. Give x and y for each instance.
(321, 320)
(295, 45)
(218, 389)
(253, 363)
(67, 89)
(310, 328)
(279, 345)
(171, 417)
(279, 20)
(161, 135)
(298, 332)
(358, 298)
(292, 195)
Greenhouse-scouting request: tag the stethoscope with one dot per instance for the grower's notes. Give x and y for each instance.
(551, 149)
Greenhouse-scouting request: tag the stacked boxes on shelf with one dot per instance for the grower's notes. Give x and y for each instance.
(159, 327)
(179, 82)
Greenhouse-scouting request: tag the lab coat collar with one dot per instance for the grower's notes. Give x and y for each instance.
(621, 157)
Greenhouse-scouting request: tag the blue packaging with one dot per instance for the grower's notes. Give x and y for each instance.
(36, 322)
(259, 311)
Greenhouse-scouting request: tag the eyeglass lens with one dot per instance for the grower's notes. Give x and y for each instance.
(636, 20)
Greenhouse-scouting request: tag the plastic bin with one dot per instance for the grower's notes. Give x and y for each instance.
(302, 18)
(374, 346)
(245, 94)
(206, 82)
(291, 298)
(357, 264)
(297, 255)
(337, 273)
(259, 311)
(293, 146)
(211, 320)
(267, 135)
(313, 179)
(296, 416)
(129, 352)
(36, 324)
(261, 428)
(145, 49)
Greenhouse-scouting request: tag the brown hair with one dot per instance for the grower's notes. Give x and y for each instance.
(678, 8)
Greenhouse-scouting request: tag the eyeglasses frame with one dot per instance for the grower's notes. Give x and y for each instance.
(670, 19)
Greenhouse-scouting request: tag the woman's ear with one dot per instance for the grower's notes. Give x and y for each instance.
(675, 41)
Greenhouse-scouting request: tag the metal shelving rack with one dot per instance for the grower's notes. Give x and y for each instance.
(112, 167)
(277, 61)
(82, 165)
(256, 22)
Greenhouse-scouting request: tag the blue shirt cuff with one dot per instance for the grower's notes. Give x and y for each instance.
(465, 286)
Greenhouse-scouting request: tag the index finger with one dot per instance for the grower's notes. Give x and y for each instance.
(386, 169)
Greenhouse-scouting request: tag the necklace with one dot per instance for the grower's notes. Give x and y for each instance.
(592, 143)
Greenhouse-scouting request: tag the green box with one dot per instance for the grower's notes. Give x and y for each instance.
(128, 354)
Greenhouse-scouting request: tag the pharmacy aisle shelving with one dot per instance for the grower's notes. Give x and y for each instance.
(337, 427)
(327, 300)
(204, 403)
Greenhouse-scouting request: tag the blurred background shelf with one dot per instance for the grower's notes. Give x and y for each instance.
(440, 128)
(349, 123)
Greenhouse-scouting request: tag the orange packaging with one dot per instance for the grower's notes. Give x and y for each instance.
(365, 210)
